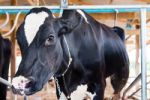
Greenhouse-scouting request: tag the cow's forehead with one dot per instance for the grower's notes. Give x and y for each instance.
(33, 21)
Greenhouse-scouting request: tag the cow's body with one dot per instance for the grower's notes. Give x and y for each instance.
(5, 52)
(96, 51)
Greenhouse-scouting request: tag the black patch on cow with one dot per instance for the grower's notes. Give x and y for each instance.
(5, 53)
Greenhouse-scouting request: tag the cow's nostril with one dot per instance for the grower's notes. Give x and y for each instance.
(29, 84)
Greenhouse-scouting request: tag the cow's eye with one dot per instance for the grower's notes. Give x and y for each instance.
(49, 40)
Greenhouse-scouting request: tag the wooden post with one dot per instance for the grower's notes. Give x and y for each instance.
(137, 55)
(137, 46)
(137, 65)
(13, 50)
(13, 2)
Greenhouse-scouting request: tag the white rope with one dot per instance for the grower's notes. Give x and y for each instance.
(69, 54)
(57, 84)
(61, 94)
(6, 21)
(14, 26)
(70, 58)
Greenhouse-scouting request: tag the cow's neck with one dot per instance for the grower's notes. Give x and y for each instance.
(75, 75)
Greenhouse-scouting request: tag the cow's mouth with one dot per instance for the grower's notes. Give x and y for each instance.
(25, 91)
(23, 86)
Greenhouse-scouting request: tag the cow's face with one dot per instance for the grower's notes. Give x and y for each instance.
(41, 60)
(45, 53)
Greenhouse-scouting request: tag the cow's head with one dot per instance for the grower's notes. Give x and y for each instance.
(46, 52)
(40, 47)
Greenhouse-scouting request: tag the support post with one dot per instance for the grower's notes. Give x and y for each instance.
(13, 40)
(13, 50)
(143, 54)
(132, 85)
(63, 3)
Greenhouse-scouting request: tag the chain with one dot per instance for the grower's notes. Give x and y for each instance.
(70, 60)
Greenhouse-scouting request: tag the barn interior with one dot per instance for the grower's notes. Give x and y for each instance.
(129, 21)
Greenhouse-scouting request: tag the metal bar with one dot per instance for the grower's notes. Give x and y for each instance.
(10, 85)
(87, 8)
(81, 7)
(132, 84)
(63, 3)
(137, 90)
(143, 54)
(5, 82)
(57, 10)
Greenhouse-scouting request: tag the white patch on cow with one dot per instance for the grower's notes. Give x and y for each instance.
(20, 83)
(83, 15)
(33, 22)
(81, 92)
(90, 95)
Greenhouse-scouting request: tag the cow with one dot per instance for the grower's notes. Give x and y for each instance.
(77, 50)
(5, 54)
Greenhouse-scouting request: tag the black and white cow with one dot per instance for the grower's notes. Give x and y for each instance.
(97, 52)
(5, 53)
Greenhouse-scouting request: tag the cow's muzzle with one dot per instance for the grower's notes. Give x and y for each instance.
(22, 85)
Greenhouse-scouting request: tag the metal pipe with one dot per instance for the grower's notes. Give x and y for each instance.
(143, 54)
(87, 8)
(5, 82)
(82, 7)
(10, 85)
(131, 85)
(137, 91)
(63, 3)
(6, 21)
(13, 27)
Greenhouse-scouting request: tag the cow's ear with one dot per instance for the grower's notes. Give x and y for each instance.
(63, 30)
(66, 27)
